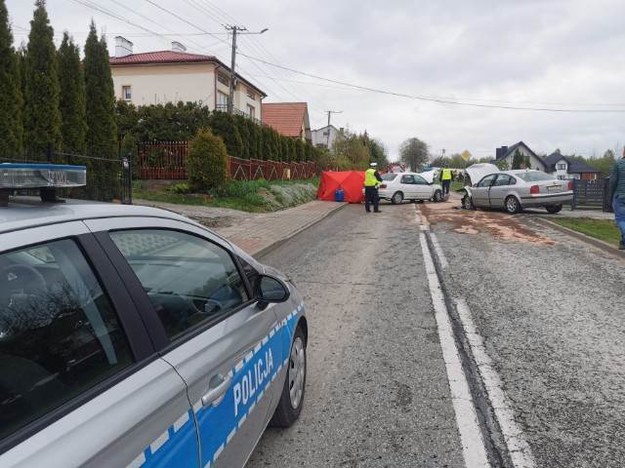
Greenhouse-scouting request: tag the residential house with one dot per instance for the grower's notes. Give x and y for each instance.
(325, 137)
(288, 119)
(565, 167)
(175, 75)
(506, 153)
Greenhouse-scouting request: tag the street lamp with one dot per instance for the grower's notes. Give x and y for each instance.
(240, 30)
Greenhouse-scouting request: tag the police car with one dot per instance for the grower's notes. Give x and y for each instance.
(131, 336)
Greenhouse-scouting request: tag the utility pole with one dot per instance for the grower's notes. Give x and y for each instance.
(330, 112)
(241, 30)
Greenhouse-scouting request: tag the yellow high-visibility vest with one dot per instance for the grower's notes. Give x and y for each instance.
(370, 180)
(446, 174)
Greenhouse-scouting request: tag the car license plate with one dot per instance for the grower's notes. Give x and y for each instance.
(554, 188)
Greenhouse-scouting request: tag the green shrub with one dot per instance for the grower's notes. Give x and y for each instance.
(207, 162)
(181, 188)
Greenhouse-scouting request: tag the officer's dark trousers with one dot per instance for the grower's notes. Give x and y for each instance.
(371, 197)
(446, 184)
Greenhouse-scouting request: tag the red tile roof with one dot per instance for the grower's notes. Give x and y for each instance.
(161, 56)
(287, 118)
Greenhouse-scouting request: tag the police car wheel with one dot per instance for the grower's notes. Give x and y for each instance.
(292, 397)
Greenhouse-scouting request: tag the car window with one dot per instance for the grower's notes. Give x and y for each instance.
(250, 272)
(190, 281)
(534, 176)
(388, 177)
(504, 179)
(59, 334)
(420, 180)
(407, 179)
(487, 181)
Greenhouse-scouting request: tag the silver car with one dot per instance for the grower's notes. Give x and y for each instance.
(131, 336)
(408, 186)
(518, 189)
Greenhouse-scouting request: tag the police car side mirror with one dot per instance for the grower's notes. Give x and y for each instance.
(269, 289)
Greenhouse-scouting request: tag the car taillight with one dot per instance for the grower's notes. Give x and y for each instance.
(534, 189)
(570, 185)
(383, 186)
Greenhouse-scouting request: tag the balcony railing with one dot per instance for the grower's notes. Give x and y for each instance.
(224, 108)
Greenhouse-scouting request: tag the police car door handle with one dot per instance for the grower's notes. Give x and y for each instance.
(215, 395)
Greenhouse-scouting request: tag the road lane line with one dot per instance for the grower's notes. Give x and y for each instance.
(439, 252)
(518, 448)
(473, 448)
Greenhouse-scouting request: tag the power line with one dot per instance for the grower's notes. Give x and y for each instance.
(429, 98)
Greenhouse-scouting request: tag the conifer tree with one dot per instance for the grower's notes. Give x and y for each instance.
(10, 92)
(42, 120)
(72, 97)
(102, 184)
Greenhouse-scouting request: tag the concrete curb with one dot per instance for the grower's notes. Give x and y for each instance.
(277, 243)
(609, 248)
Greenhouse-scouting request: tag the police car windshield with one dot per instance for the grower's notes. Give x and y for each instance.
(389, 176)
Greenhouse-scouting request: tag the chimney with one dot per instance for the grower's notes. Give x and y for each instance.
(123, 47)
(501, 152)
(177, 47)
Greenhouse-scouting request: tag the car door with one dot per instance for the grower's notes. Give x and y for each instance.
(499, 190)
(408, 186)
(209, 328)
(480, 193)
(423, 190)
(80, 382)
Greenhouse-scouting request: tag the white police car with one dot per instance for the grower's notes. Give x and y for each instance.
(131, 336)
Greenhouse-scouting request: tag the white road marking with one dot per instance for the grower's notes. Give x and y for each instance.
(518, 448)
(439, 252)
(473, 448)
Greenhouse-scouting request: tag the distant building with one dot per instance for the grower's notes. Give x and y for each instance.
(325, 137)
(565, 167)
(175, 75)
(506, 153)
(288, 118)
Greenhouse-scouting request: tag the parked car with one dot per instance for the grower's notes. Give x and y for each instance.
(518, 189)
(132, 336)
(408, 186)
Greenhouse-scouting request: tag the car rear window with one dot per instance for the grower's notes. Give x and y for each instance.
(388, 177)
(534, 176)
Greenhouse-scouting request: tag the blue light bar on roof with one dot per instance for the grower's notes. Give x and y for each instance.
(26, 176)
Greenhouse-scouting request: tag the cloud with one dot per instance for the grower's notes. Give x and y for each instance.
(531, 52)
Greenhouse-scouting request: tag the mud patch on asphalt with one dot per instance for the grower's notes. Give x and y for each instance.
(499, 225)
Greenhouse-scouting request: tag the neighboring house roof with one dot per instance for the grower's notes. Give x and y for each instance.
(552, 160)
(511, 149)
(574, 165)
(164, 57)
(161, 56)
(287, 118)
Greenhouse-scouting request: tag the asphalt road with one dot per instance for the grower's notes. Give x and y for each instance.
(550, 311)
(377, 393)
(545, 309)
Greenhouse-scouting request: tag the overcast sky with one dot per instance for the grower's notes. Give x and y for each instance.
(556, 54)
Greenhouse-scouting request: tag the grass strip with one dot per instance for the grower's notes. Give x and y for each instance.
(602, 229)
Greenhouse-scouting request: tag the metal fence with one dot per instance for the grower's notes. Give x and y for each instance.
(165, 160)
(592, 194)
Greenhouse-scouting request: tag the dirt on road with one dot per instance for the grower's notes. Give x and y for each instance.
(500, 225)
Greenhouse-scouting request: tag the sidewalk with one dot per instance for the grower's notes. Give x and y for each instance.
(256, 233)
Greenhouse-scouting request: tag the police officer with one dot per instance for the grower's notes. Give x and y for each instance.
(372, 180)
(445, 178)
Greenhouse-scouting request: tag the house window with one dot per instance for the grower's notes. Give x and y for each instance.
(223, 79)
(562, 167)
(127, 93)
(251, 111)
(222, 101)
(251, 94)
